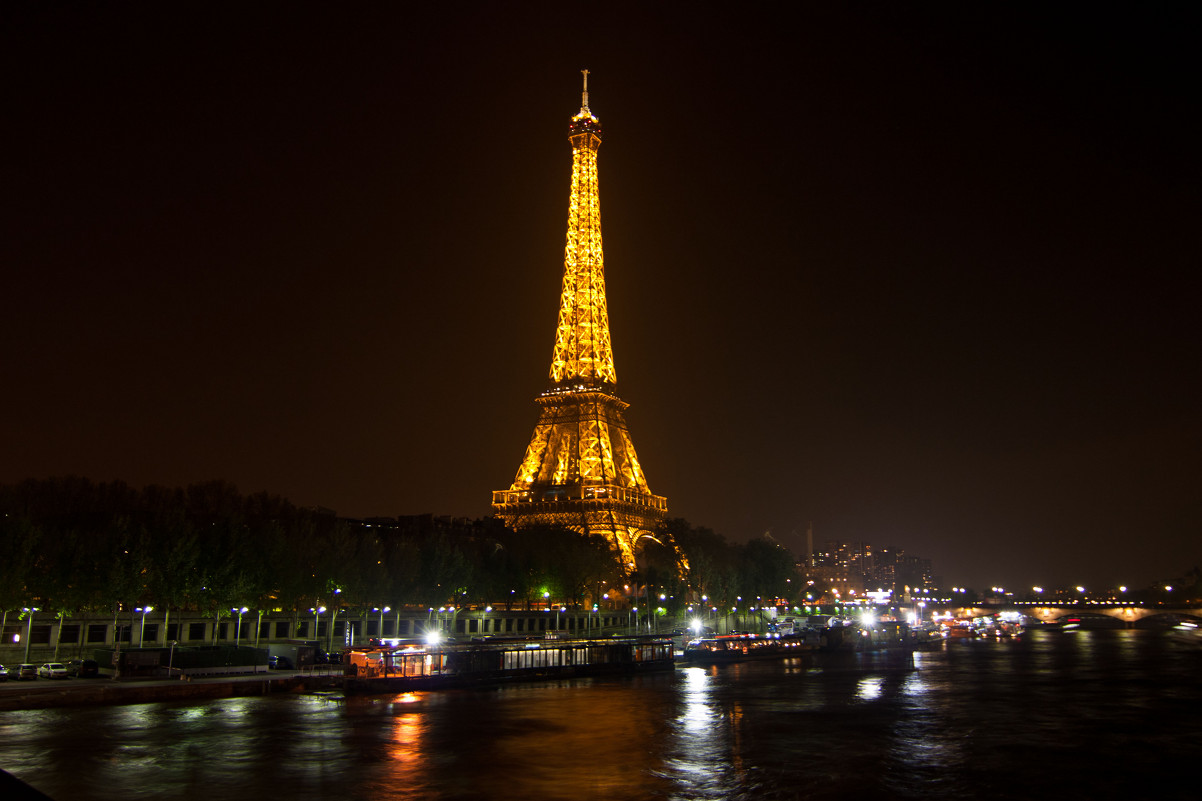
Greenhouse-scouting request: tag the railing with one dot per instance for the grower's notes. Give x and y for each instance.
(601, 496)
(323, 671)
(212, 671)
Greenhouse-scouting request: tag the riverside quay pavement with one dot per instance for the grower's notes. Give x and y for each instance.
(46, 693)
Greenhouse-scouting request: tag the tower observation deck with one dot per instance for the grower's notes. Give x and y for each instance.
(580, 470)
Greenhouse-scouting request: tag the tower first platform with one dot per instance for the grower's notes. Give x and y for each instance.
(580, 470)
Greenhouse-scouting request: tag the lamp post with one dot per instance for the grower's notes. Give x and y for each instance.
(116, 646)
(333, 620)
(316, 614)
(29, 629)
(330, 630)
(142, 628)
(238, 629)
(380, 631)
(59, 639)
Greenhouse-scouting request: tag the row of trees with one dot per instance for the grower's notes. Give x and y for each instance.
(72, 545)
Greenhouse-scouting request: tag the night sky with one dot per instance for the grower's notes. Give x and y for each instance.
(923, 276)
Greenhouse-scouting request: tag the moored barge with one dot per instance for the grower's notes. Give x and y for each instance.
(392, 667)
(744, 647)
(825, 646)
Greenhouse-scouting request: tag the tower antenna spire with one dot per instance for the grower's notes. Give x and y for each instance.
(584, 96)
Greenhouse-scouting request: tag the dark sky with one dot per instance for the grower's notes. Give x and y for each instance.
(925, 277)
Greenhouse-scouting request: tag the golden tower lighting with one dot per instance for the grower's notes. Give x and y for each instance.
(580, 469)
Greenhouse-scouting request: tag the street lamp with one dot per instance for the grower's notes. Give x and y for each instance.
(142, 629)
(922, 606)
(238, 630)
(316, 613)
(333, 621)
(29, 629)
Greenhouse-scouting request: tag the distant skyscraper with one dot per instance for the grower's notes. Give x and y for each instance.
(580, 469)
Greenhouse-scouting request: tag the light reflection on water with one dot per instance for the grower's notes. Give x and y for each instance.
(700, 756)
(1049, 716)
(870, 688)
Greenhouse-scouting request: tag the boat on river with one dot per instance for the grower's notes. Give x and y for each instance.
(400, 666)
(823, 645)
(745, 647)
(884, 635)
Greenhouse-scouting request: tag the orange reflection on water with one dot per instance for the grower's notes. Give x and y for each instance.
(408, 732)
(569, 746)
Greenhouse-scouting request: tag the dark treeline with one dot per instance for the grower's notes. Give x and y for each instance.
(72, 545)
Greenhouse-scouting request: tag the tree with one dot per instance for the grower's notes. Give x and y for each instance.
(768, 570)
(444, 570)
(19, 539)
(711, 559)
(573, 564)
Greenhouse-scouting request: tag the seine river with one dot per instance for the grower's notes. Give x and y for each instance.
(1055, 714)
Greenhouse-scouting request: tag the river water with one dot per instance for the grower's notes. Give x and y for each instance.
(1054, 714)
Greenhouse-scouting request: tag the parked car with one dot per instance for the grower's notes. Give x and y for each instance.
(26, 671)
(83, 668)
(3, 673)
(52, 670)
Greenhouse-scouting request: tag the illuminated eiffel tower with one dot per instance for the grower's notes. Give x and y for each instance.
(580, 469)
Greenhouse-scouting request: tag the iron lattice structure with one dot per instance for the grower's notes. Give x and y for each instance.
(580, 469)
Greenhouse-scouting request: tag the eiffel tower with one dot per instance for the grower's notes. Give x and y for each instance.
(580, 470)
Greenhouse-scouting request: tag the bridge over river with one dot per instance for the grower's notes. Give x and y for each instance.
(1128, 613)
